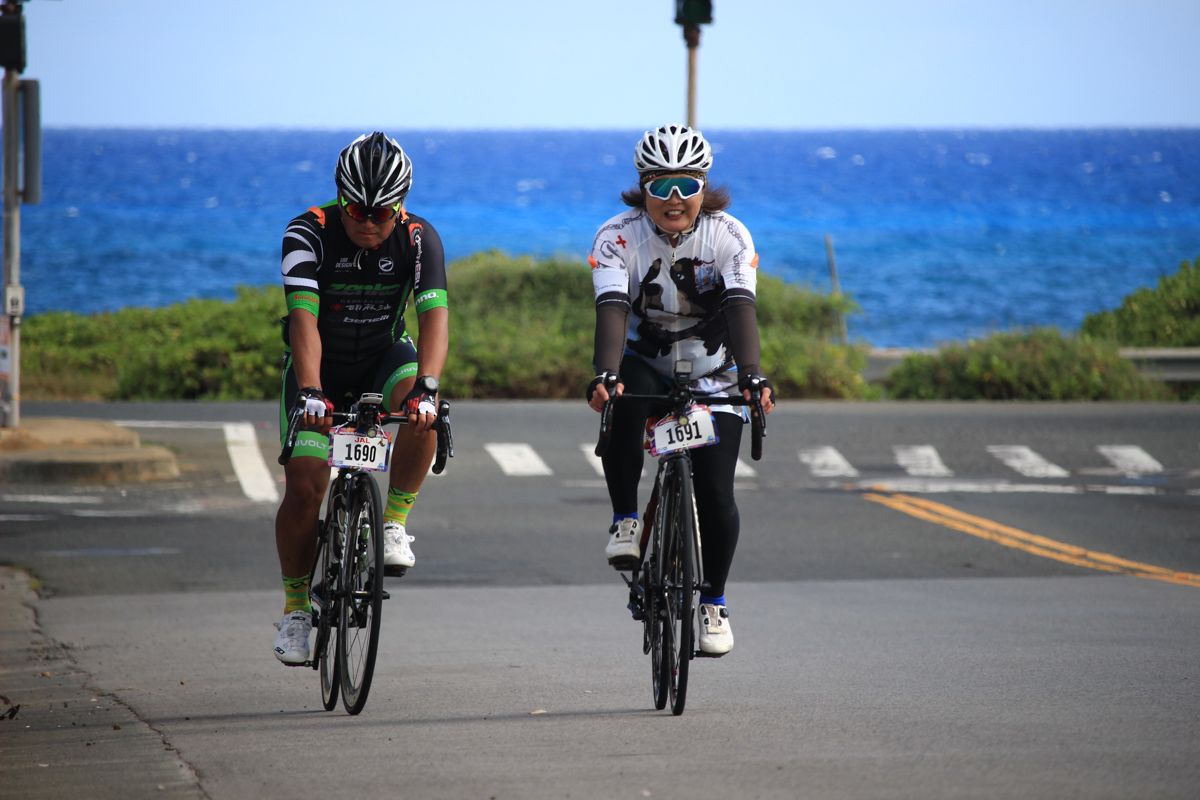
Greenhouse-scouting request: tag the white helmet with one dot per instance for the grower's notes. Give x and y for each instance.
(373, 170)
(673, 148)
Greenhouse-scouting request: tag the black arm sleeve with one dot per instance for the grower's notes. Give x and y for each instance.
(612, 326)
(743, 334)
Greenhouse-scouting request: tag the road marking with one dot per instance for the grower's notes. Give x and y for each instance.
(921, 461)
(517, 459)
(918, 486)
(1025, 461)
(1029, 542)
(49, 498)
(744, 470)
(1124, 489)
(159, 423)
(826, 462)
(589, 452)
(101, 512)
(1129, 458)
(130, 551)
(248, 464)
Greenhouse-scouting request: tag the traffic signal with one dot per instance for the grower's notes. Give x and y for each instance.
(12, 38)
(693, 12)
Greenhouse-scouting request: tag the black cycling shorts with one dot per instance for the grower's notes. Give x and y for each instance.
(343, 384)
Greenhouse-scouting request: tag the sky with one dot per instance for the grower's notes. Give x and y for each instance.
(621, 64)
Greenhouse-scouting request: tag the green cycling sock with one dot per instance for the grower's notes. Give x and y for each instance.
(398, 505)
(296, 590)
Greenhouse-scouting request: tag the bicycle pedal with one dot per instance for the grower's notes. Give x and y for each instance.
(301, 664)
(702, 654)
(387, 595)
(624, 563)
(395, 571)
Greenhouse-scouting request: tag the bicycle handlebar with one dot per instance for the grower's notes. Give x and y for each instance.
(679, 398)
(441, 425)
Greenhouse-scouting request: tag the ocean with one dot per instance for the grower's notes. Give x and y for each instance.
(940, 235)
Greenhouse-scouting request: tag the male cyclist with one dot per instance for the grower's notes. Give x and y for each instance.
(348, 269)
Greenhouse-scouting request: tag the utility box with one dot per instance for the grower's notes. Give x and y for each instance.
(12, 41)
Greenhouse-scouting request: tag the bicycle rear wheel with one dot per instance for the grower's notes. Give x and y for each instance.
(361, 595)
(678, 586)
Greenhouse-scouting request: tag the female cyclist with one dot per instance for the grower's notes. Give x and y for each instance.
(675, 279)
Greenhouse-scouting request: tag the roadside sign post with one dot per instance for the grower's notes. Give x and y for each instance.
(691, 14)
(21, 114)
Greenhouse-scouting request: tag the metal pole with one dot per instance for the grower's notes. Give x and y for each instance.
(691, 35)
(837, 289)
(12, 240)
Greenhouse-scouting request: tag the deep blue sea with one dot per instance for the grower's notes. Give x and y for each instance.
(939, 234)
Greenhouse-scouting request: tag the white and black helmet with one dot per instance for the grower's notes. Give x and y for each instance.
(374, 171)
(673, 148)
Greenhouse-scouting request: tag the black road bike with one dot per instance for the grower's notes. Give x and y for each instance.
(663, 587)
(347, 578)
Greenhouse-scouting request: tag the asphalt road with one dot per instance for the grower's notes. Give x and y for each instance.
(902, 650)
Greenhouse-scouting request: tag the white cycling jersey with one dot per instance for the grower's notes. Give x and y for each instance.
(676, 293)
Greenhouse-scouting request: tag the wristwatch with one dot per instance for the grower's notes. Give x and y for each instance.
(428, 384)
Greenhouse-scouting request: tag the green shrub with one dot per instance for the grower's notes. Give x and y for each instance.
(201, 349)
(518, 328)
(1167, 316)
(1040, 364)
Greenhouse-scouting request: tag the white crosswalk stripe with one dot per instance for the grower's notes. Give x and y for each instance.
(248, 464)
(826, 462)
(589, 452)
(517, 459)
(744, 470)
(1129, 458)
(921, 461)
(1025, 461)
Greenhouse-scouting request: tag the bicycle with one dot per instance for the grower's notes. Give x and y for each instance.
(347, 578)
(662, 589)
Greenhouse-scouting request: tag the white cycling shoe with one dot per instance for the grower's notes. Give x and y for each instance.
(624, 550)
(291, 645)
(716, 637)
(396, 552)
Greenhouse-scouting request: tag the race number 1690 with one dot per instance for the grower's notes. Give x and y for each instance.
(354, 450)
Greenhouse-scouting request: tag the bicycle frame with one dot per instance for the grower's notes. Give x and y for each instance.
(652, 595)
(331, 593)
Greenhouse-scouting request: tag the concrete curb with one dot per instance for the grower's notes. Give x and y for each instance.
(89, 465)
(63, 450)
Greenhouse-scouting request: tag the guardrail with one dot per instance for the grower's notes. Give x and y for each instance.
(1170, 364)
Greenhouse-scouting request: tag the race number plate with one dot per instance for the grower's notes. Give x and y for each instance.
(349, 448)
(684, 433)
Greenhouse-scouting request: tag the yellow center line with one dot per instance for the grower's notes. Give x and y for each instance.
(1029, 542)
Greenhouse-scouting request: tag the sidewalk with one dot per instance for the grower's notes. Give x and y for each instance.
(59, 739)
(60, 450)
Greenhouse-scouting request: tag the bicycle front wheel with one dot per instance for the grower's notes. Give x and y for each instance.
(361, 593)
(679, 588)
(657, 634)
(325, 579)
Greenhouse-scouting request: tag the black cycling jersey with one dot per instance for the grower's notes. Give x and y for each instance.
(359, 295)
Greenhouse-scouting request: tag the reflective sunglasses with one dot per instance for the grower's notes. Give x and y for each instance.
(662, 188)
(360, 213)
